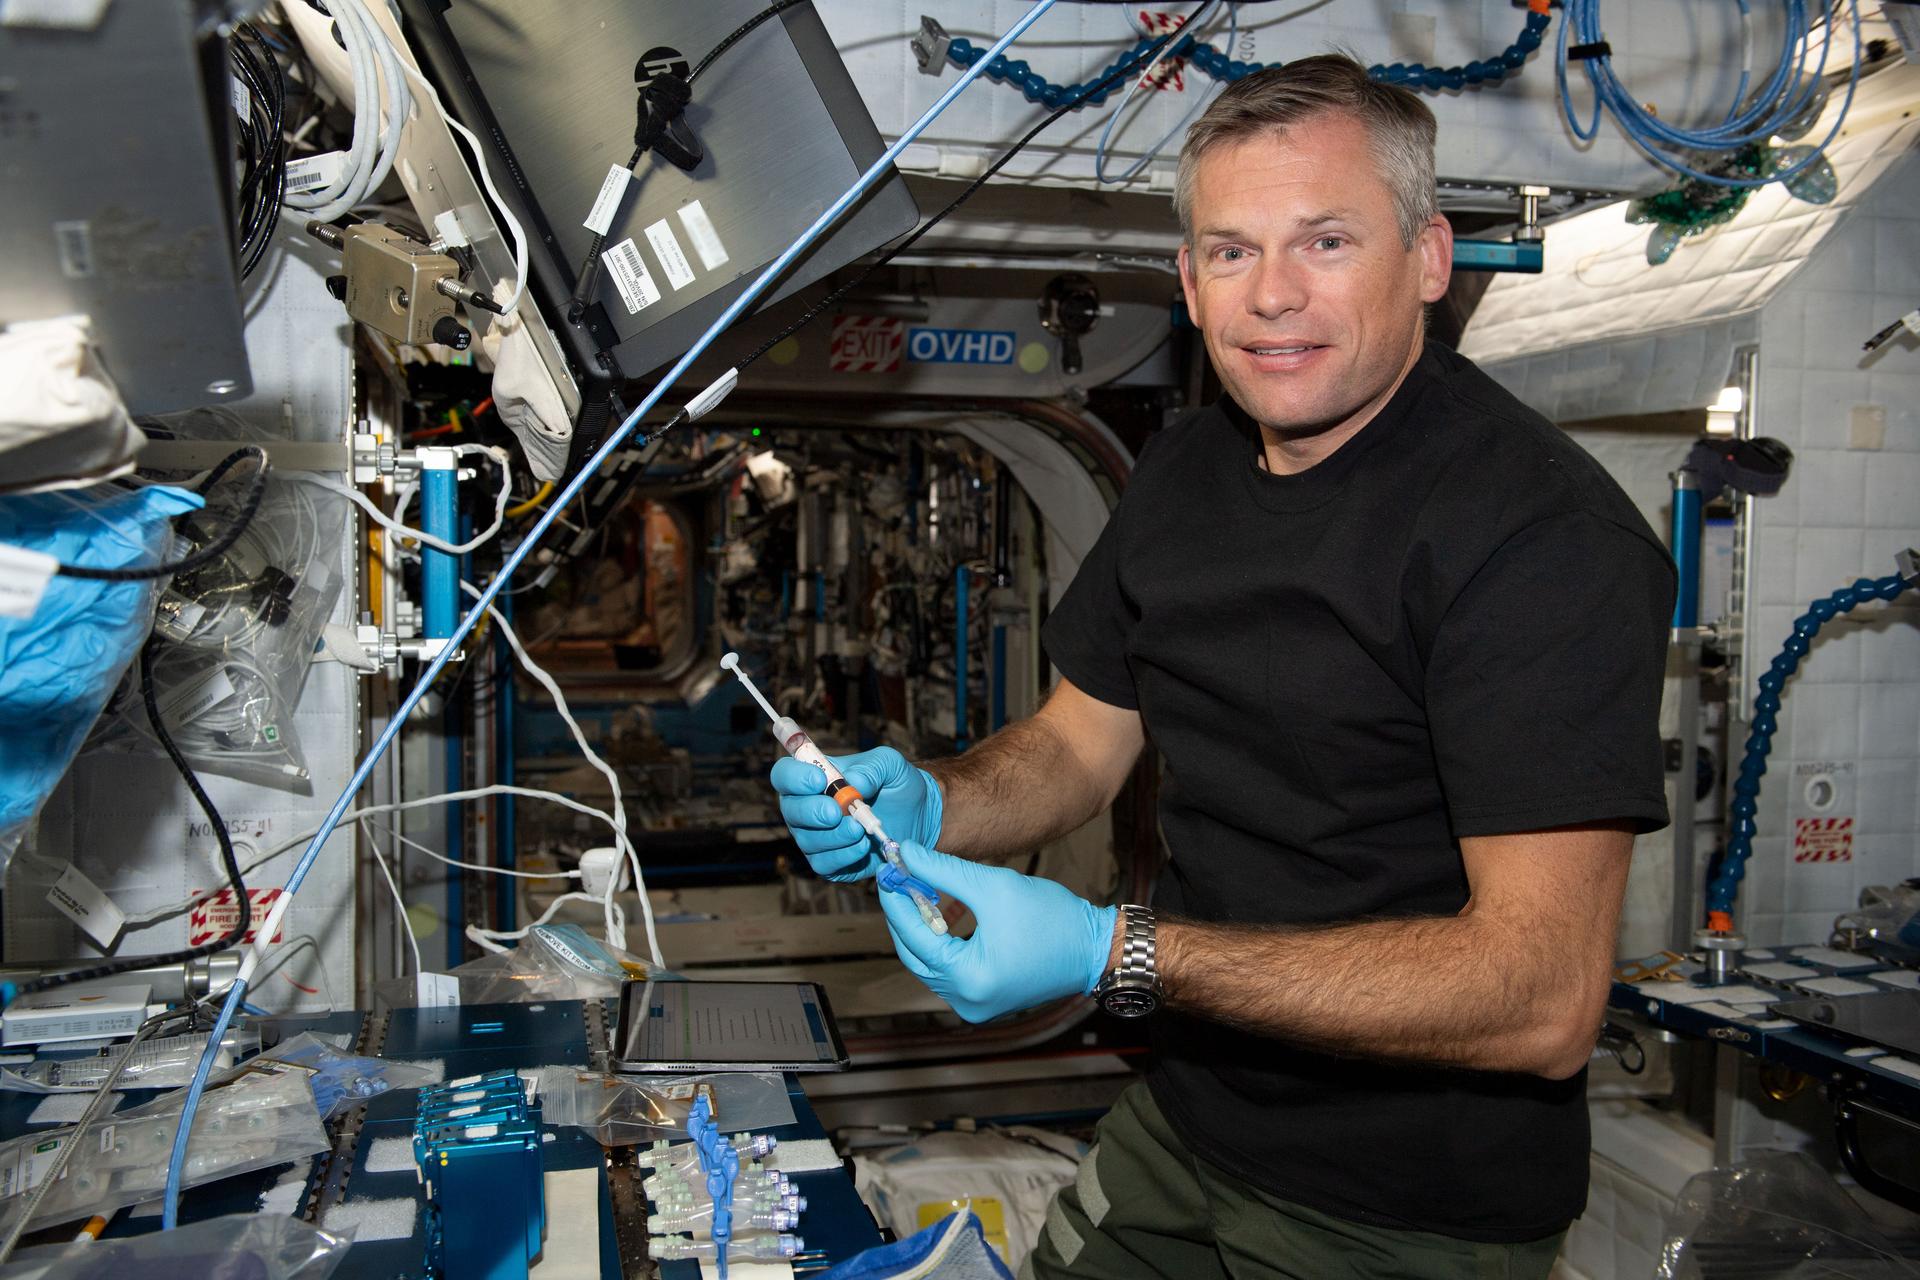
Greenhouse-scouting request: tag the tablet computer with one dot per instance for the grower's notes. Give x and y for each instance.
(726, 1026)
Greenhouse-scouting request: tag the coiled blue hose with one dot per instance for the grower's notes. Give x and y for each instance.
(1725, 886)
(1787, 93)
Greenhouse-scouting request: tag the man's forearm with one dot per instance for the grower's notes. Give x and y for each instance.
(1453, 991)
(1014, 792)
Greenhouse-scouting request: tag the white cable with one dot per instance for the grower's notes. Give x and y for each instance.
(394, 525)
(486, 180)
(400, 903)
(552, 687)
(486, 939)
(377, 74)
(250, 963)
(293, 842)
(509, 872)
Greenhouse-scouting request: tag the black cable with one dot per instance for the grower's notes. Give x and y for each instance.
(213, 550)
(243, 918)
(740, 33)
(812, 313)
(263, 181)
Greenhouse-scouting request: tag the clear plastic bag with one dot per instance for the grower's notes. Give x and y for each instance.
(242, 1247)
(1781, 1216)
(59, 666)
(258, 1120)
(340, 1081)
(164, 1063)
(235, 638)
(553, 962)
(1887, 914)
(627, 1110)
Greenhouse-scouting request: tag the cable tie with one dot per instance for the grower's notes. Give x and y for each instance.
(1583, 52)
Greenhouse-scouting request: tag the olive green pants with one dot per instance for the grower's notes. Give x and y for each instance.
(1143, 1206)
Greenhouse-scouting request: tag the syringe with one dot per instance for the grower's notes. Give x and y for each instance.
(795, 742)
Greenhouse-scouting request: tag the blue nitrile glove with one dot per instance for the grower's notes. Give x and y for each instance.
(1033, 940)
(905, 799)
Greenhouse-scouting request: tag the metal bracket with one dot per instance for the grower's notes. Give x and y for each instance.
(930, 45)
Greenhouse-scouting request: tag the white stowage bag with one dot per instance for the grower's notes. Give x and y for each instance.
(61, 421)
(1009, 1175)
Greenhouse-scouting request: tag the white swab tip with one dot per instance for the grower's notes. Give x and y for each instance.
(730, 663)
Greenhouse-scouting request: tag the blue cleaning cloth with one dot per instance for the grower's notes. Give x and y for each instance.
(58, 668)
(962, 1255)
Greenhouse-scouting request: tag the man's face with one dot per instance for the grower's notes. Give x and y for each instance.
(1309, 302)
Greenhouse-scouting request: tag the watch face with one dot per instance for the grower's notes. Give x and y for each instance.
(1129, 1002)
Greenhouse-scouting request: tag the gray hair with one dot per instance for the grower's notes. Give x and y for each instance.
(1399, 125)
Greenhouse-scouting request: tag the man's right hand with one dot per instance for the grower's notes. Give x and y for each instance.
(906, 799)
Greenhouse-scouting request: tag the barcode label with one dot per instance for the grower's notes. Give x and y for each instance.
(75, 243)
(706, 240)
(607, 203)
(667, 249)
(310, 173)
(631, 277)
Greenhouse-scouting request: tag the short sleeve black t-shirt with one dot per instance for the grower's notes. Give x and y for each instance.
(1453, 626)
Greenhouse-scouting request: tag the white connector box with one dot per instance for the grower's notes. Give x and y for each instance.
(98, 1013)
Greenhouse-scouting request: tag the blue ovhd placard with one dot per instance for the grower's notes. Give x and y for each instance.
(960, 346)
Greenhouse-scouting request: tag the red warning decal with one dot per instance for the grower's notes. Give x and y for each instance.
(866, 344)
(1823, 839)
(1169, 73)
(214, 917)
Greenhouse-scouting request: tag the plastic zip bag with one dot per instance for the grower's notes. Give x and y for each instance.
(626, 1110)
(235, 638)
(164, 1063)
(241, 1247)
(340, 1081)
(256, 1121)
(1781, 1216)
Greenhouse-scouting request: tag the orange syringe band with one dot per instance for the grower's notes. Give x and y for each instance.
(844, 794)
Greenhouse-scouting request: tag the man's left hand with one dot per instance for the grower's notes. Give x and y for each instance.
(1033, 940)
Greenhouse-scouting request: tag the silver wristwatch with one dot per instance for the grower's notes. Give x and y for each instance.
(1132, 989)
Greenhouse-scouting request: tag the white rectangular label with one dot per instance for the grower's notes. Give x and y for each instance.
(475, 1131)
(438, 991)
(81, 901)
(242, 100)
(24, 576)
(310, 173)
(667, 249)
(631, 277)
(195, 698)
(706, 240)
(458, 1112)
(607, 203)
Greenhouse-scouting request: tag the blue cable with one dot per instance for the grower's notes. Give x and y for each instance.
(1786, 94)
(964, 53)
(879, 169)
(1725, 886)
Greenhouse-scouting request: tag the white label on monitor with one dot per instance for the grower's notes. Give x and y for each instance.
(631, 277)
(667, 249)
(706, 240)
(607, 203)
